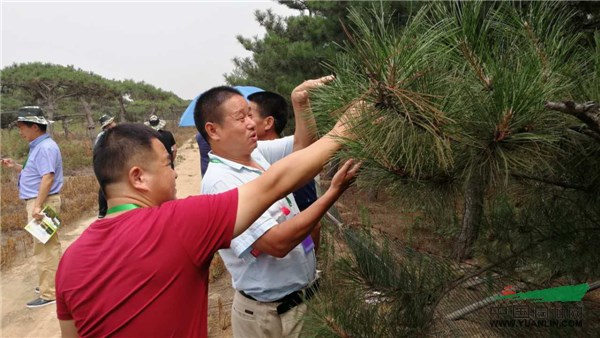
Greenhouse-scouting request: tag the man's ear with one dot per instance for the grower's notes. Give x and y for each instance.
(137, 179)
(269, 123)
(211, 131)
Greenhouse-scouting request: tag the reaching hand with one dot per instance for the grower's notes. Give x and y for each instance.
(300, 93)
(345, 176)
(352, 114)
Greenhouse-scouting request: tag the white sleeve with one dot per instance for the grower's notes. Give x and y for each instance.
(242, 244)
(275, 150)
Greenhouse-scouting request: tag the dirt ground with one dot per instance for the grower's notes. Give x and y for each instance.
(18, 282)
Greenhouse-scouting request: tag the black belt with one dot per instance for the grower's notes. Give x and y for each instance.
(27, 199)
(291, 300)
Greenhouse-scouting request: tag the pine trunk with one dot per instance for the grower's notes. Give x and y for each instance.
(473, 213)
(91, 128)
(65, 124)
(50, 109)
(122, 112)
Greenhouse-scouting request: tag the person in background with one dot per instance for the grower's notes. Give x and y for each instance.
(270, 113)
(40, 182)
(203, 148)
(273, 263)
(166, 137)
(106, 122)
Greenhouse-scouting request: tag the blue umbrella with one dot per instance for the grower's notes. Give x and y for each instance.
(187, 118)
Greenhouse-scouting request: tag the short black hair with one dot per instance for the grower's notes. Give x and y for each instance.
(272, 104)
(117, 147)
(207, 107)
(42, 127)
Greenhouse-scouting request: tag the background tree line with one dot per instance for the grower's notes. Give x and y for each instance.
(66, 93)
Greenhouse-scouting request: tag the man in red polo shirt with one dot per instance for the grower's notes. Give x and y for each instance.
(143, 269)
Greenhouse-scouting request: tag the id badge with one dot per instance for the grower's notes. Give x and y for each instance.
(308, 244)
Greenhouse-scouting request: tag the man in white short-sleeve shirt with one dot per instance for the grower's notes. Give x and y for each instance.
(273, 262)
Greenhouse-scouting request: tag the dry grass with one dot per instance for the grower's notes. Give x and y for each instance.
(79, 198)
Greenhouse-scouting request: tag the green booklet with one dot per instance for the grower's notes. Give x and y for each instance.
(46, 228)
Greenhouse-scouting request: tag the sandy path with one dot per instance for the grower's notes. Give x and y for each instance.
(18, 282)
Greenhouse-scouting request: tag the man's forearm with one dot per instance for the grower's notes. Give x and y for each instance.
(298, 168)
(283, 177)
(305, 133)
(284, 237)
(286, 175)
(45, 186)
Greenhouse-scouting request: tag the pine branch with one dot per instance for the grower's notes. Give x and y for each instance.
(538, 48)
(336, 328)
(503, 128)
(476, 64)
(586, 131)
(587, 112)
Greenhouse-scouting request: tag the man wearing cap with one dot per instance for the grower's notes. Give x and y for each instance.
(165, 136)
(40, 181)
(106, 122)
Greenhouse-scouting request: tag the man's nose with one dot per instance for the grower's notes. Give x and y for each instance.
(250, 124)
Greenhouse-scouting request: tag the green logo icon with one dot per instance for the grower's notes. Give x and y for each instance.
(569, 293)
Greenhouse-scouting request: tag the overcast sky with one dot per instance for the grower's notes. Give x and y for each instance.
(183, 47)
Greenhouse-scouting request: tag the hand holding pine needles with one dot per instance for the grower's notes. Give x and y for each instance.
(345, 176)
(300, 93)
(354, 114)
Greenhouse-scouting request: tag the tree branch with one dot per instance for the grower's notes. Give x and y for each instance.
(587, 112)
(583, 129)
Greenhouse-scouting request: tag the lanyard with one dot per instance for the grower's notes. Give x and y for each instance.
(122, 207)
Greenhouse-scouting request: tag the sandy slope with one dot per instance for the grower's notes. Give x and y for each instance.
(18, 283)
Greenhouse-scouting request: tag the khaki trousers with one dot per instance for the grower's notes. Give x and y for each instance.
(47, 255)
(252, 319)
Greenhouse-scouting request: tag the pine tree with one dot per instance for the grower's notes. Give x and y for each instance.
(476, 117)
(294, 48)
